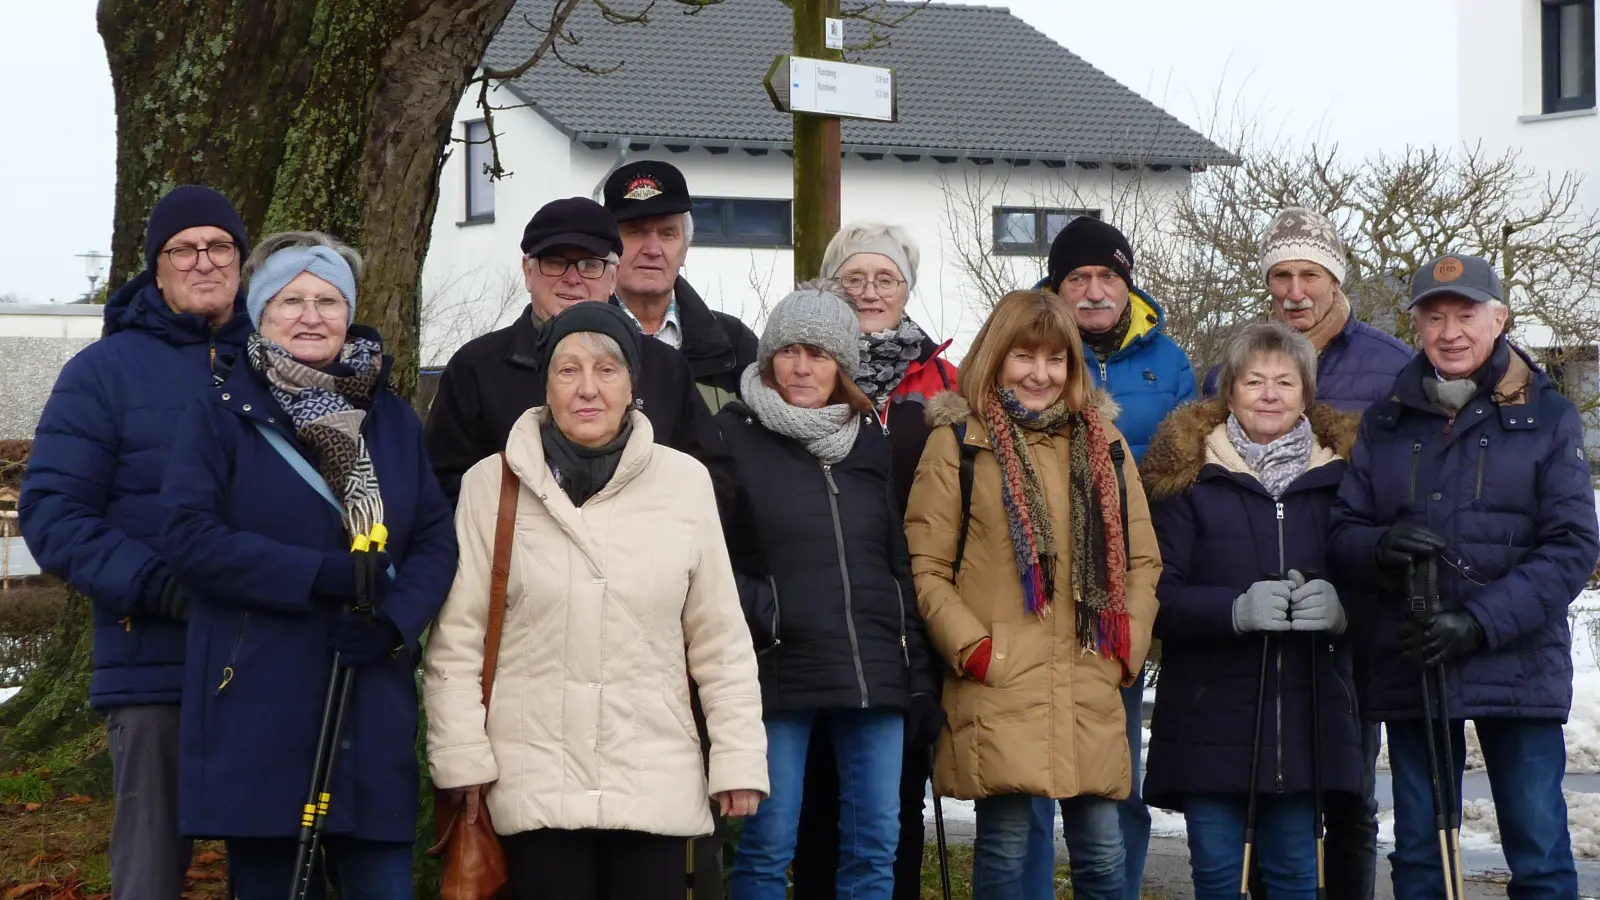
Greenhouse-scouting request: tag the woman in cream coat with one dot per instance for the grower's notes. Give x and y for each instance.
(620, 592)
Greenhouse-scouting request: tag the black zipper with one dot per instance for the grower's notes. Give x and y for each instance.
(1416, 457)
(233, 655)
(777, 616)
(1278, 699)
(1483, 453)
(844, 573)
(900, 597)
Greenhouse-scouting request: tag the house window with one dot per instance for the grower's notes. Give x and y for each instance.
(1028, 231)
(480, 187)
(740, 222)
(1568, 55)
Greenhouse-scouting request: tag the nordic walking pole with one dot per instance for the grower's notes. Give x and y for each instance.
(1420, 616)
(938, 829)
(1319, 829)
(1452, 809)
(1255, 769)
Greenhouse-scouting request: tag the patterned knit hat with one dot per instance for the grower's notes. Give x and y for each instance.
(814, 315)
(1299, 233)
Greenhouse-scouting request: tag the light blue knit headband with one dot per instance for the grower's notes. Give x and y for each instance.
(287, 264)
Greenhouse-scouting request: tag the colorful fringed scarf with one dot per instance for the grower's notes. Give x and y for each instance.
(1098, 557)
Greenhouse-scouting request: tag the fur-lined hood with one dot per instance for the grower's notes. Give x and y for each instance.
(950, 408)
(1178, 452)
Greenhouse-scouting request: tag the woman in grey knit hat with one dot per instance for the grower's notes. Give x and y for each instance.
(824, 577)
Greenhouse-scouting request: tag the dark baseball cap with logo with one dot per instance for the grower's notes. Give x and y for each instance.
(574, 222)
(647, 188)
(1456, 275)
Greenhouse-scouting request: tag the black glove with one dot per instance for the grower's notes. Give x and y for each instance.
(1403, 542)
(361, 639)
(171, 602)
(1446, 637)
(347, 577)
(924, 721)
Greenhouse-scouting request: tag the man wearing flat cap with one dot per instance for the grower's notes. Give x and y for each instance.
(1473, 466)
(652, 204)
(570, 251)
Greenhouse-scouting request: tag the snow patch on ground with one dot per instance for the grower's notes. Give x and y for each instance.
(6, 693)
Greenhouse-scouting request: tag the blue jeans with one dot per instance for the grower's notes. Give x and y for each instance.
(1003, 854)
(1133, 816)
(868, 745)
(262, 868)
(1526, 760)
(1285, 848)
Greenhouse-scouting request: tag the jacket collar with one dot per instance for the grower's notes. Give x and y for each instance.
(525, 340)
(704, 343)
(1180, 451)
(1511, 382)
(950, 408)
(1147, 321)
(139, 306)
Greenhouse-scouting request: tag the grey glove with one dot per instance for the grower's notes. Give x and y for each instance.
(1314, 606)
(1264, 607)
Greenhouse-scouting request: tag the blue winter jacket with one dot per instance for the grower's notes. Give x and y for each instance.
(1506, 484)
(246, 534)
(1220, 532)
(1355, 370)
(89, 506)
(1148, 377)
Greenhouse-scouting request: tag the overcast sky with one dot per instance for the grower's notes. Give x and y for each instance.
(1373, 75)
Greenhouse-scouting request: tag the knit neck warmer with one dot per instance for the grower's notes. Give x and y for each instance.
(1276, 464)
(582, 471)
(1105, 343)
(323, 405)
(1098, 557)
(828, 433)
(885, 357)
(1331, 324)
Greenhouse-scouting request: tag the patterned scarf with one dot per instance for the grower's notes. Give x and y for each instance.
(829, 433)
(322, 405)
(1099, 559)
(885, 357)
(1278, 463)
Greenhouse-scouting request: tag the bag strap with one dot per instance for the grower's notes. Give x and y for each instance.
(299, 463)
(969, 458)
(500, 573)
(1118, 455)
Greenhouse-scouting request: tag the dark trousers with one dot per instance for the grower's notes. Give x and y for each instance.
(263, 868)
(816, 856)
(1352, 822)
(557, 864)
(148, 857)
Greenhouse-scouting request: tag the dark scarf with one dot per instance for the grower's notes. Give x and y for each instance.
(1099, 563)
(1107, 342)
(582, 471)
(328, 407)
(885, 357)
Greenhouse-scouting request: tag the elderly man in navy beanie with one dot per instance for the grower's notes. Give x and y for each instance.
(90, 515)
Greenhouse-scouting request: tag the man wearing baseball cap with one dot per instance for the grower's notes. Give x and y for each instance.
(652, 205)
(570, 250)
(1474, 464)
(91, 514)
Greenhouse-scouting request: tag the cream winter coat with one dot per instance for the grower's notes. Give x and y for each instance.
(610, 610)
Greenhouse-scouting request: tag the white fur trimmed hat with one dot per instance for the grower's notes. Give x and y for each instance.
(1299, 233)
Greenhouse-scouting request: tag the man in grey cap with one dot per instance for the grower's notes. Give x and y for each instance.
(1474, 466)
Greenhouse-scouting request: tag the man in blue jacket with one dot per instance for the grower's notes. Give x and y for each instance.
(90, 514)
(1129, 354)
(1303, 261)
(1474, 459)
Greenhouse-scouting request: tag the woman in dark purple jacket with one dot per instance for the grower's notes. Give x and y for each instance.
(1240, 489)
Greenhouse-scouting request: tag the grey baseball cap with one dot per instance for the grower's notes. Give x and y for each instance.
(1456, 275)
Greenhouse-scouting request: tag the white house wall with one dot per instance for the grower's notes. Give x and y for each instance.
(469, 266)
(1499, 98)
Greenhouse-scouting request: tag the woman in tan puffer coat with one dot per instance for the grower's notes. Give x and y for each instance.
(1044, 609)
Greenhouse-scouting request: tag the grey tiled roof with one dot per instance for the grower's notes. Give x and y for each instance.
(973, 81)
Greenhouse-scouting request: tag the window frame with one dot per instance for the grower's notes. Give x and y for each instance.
(1550, 59)
(725, 236)
(1041, 218)
(475, 217)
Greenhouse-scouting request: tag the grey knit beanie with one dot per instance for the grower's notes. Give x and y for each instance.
(1299, 233)
(814, 314)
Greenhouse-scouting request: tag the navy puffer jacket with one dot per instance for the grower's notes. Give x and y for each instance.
(89, 509)
(1506, 483)
(1355, 370)
(1220, 532)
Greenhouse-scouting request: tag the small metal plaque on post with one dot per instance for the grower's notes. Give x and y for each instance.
(822, 87)
(834, 39)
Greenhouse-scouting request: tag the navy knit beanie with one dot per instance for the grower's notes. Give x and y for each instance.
(189, 206)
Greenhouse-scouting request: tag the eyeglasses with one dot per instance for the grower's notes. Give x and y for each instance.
(334, 309)
(221, 254)
(590, 267)
(885, 285)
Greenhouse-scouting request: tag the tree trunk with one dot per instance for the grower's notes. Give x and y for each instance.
(332, 115)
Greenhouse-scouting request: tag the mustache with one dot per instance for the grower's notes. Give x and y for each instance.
(1298, 305)
(1096, 304)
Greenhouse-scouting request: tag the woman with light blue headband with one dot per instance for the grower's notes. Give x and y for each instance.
(306, 525)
